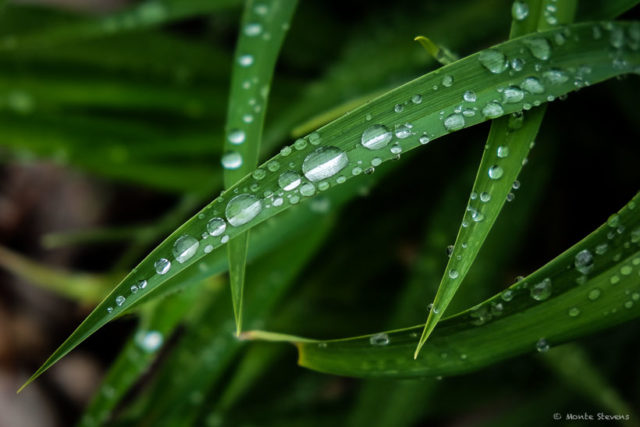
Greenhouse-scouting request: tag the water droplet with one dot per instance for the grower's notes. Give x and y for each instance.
(424, 139)
(307, 189)
(285, 151)
(379, 339)
(120, 300)
(208, 249)
(232, 160)
(261, 9)
(185, 247)
(495, 172)
(507, 295)
(236, 136)
(447, 81)
(150, 341)
(539, 47)
(356, 170)
(502, 151)
(542, 346)
(469, 96)
(541, 291)
(224, 239)
(532, 85)
(454, 122)
(324, 162)
(574, 312)
(617, 38)
(134, 289)
(216, 226)
(519, 10)
(289, 180)
(493, 60)
(109, 309)
(396, 149)
(416, 99)
(492, 110)
(242, 209)
(510, 197)
(512, 94)
(626, 270)
(453, 274)
(376, 161)
(584, 261)
(399, 108)
(162, 265)
(485, 197)
(376, 137)
(517, 64)
(142, 284)
(253, 29)
(555, 76)
(245, 60)
(403, 131)
(594, 294)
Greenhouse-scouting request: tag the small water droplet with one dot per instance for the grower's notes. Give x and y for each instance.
(583, 261)
(236, 136)
(399, 108)
(502, 151)
(519, 10)
(512, 94)
(379, 339)
(289, 180)
(134, 289)
(120, 300)
(216, 226)
(253, 29)
(447, 81)
(307, 189)
(150, 341)
(469, 96)
(424, 139)
(285, 151)
(492, 110)
(376, 137)
(162, 266)
(454, 122)
(574, 312)
(416, 99)
(245, 60)
(532, 85)
(542, 346)
(224, 239)
(142, 284)
(493, 60)
(232, 160)
(541, 291)
(507, 295)
(594, 294)
(555, 76)
(242, 209)
(323, 163)
(495, 172)
(485, 197)
(403, 131)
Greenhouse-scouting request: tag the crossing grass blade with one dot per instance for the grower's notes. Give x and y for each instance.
(591, 286)
(566, 67)
(253, 68)
(506, 151)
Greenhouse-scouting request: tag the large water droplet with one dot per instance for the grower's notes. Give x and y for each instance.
(493, 60)
(492, 110)
(185, 247)
(289, 180)
(541, 291)
(539, 47)
(162, 265)
(323, 163)
(376, 137)
(242, 209)
(495, 172)
(584, 261)
(454, 122)
(379, 339)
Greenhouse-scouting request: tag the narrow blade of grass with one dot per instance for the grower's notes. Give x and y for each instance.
(335, 154)
(591, 286)
(506, 151)
(253, 68)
